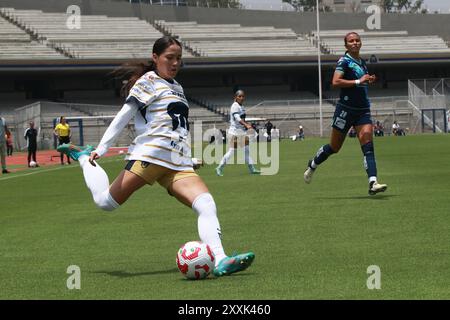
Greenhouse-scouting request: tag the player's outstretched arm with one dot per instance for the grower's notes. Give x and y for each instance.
(111, 134)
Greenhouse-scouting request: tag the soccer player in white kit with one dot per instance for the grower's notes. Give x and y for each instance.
(160, 152)
(236, 136)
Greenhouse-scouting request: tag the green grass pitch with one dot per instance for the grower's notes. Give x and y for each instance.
(311, 241)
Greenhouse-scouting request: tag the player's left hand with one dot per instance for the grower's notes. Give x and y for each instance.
(372, 79)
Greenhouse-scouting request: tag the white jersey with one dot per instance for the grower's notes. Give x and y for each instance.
(237, 113)
(161, 113)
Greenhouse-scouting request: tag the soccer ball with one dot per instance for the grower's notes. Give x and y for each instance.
(32, 164)
(195, 260)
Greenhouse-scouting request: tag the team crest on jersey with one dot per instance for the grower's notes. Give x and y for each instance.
(179, 112)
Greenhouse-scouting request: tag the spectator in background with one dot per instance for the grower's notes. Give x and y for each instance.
(269, 127)
(9, 143)
(3, 129)
(62, 132)
(397, 130)
(30, 136)
(256, 128)
(224, 135)
(395, 127)
(301, 133)
(378, 129)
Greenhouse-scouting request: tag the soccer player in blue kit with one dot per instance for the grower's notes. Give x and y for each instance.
(353, 109)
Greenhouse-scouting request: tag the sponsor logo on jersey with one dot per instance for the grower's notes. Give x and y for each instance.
(340, 123)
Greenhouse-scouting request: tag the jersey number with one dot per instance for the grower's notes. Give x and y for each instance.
(179, 112)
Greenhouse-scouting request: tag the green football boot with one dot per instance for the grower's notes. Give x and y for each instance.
(219, 171)
(253, 170)
(233, 264)
(74, 151)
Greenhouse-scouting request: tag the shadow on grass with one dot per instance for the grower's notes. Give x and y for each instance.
(211, 277)
(125, 274)
(375, 197)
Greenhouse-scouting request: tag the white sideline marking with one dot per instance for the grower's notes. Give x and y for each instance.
(53, 169)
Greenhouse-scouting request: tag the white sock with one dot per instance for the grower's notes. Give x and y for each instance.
(208, 224)
(313, 165)
(97, 181)
(248, 158)
(372, 179)
(226, 157)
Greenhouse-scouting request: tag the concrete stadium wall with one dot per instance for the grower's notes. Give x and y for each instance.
(417, 24)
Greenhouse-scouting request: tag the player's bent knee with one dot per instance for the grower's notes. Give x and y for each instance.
(106, 202)
(204, 204)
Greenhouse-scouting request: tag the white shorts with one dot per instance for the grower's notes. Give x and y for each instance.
(236, 132)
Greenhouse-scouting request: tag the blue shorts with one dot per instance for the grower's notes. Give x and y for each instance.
(344, 118)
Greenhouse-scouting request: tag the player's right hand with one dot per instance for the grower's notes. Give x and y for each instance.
(92, 157)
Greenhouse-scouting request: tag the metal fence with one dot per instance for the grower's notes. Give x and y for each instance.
(428, 94)
(286, 115)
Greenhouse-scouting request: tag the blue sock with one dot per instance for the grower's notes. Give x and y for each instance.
(322, 154)
(369, 159)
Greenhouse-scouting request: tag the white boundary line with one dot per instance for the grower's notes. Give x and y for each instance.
(54, 169)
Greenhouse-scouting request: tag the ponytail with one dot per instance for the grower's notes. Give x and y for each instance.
(132, 72)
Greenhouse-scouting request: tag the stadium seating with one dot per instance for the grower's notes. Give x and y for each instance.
(42, 35)
(16, 44)
(99, 37)
(382, 42)
(234, 40)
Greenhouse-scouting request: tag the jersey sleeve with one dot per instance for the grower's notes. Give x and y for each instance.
(341, 65)
(236, 112)
(115, 128)
(142, 93)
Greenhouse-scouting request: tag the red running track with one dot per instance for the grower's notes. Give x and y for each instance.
(46, 158)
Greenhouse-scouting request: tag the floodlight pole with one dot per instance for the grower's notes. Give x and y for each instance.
(319, 67)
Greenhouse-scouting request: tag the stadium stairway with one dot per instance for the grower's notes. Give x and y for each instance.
(40, 47)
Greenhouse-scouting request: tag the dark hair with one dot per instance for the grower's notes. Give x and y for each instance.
(238, 92)
(133, 71)
(347, 35)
